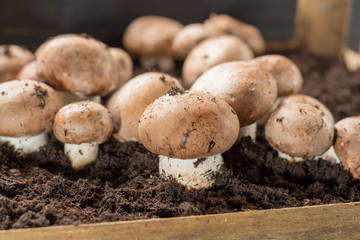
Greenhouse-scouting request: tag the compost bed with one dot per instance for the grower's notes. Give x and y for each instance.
(124, 184)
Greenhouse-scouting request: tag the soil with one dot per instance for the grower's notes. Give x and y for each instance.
(124, 184)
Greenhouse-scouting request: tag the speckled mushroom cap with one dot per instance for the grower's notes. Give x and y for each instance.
(213, 51)
(124, 65)
(12, 60)
(27, 108)
(286, 73)
(151, 36)
(79, 64)
(347, 144)
(248, 89)
(129, 102)
(191, 125)
(229, 25)
(299, 130)
(83, 122)
(28, 72)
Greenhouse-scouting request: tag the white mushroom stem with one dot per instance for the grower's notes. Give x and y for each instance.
(290, 158)
(191, 173)
(329, 155)
(164, 63)
(249, 130)
(82, 154)
(28, 144)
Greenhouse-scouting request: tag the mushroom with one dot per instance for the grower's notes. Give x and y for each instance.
(347, 144)
(82, 126)
(129, 102)
(28, 72)
(299, 130)
(229, 25)
(27, 109)
(78, 64)
(189, 131)
(150, 38)
(125, 65)
(12, 59)
(248, 89)
(189, 36)
(213, 51)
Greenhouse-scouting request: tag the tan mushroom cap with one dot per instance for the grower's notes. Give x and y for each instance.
(27, 108)
(130, 101)
(286, 73)
(229, 25)
(83, 122)
(187, 37)
(187, 126)
(124, 65)
(79, 64)
(151, 36)
(347, 144)
(299, 130)
(248, 89)
(12, 59)
(28, 72)
(211, 52)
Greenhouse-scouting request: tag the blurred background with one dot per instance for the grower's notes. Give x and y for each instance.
(29, 23)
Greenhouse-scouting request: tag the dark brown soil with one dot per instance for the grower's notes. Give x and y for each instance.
(124, 184)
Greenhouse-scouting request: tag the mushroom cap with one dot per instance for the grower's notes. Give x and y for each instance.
(299, 130)
(229, 25)
(286, 73)
(83, 122)
(187, 37)
(130, 101)
(187, 126)
(213, 51)
(12, 60)
(28, 72)
(248, 89)
(347, 144)
(151, 36)
(27, 108)
(79, 64)
(124, 65)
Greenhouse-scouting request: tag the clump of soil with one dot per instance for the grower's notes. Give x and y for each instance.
(124, 184)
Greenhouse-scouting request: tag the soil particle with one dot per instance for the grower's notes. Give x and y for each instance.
(124, 183)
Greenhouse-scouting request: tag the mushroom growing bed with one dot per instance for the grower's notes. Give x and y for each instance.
(124, 184)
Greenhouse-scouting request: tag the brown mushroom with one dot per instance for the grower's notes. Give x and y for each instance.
(189, 131)
(211, 52)
(27, 109)
(150, 38)
(129, 102)
(124, 65)
(12, 59)
(28, 72)
(82, 126)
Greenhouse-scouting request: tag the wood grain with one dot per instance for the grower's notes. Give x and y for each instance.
(337, 221)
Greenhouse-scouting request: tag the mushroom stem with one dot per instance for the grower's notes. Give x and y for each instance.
(28, 144)
(164, 63)
(82, 154)
(329, 155)
(198, 173)
(249, 130)
(289, 157)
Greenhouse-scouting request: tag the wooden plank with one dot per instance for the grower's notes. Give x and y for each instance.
(321, 26)
(336, 221)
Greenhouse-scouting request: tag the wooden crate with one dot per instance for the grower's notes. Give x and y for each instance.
(322, 28)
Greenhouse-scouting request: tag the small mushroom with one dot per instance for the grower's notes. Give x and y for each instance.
(82, 126)
(248, 89)
(347, 144)
(78, 64)
(150, 38)
(125, 65)
(27, 109)
(299, 130)
(211, 52)
(28, 72)
(12, 59)
(129, 102)
(229, 25)
(189, 131)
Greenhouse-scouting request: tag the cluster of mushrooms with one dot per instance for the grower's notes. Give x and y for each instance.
(224, 92)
